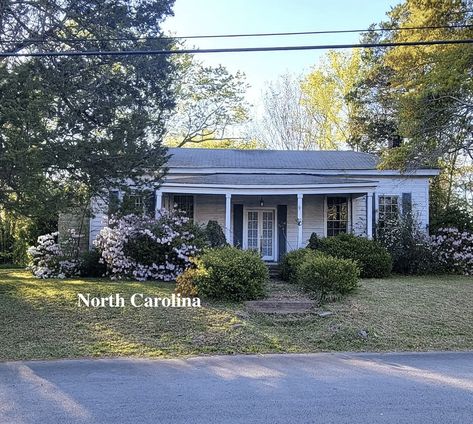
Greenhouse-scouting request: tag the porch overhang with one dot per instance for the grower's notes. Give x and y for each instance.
(267, 191)
(259, 184)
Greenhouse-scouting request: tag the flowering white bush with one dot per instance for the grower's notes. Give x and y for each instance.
(454, 249)
(145, 248)
(409, 246)
(49, 259)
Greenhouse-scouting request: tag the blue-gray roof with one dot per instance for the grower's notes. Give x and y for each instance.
(263, 179)
(271, 159)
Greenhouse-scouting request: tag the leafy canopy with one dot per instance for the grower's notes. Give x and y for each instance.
(70, 126)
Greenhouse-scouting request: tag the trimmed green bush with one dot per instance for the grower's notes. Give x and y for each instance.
(228, 273)
(291, 262)
(327, 276)
(215, 235)
(373, 259)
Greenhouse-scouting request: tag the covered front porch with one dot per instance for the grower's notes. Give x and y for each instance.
(274, 218)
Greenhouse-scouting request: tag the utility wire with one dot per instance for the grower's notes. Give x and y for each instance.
(267, 34)
(233, 50)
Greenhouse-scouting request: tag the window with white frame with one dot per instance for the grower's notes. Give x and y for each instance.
(388, 209)
(184, 203)
(337, 215)
(138, 202)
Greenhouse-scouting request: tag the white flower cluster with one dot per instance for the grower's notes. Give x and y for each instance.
(165, 240)
(49, 260)
(454, 249)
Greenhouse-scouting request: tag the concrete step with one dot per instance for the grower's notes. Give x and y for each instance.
(274, 270)
(280, 306)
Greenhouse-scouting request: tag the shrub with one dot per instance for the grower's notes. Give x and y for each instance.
(327, 276)
(373, 258)
(291, 262)
(198, 231)
(229, 273)
(185, 283)
(409, 246)
(215, 235)
(454, 250)
(91, 264)
(51, 259)
(314, 242)
(147, 248)
(453, 216)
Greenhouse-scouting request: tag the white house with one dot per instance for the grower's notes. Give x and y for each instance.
(274, 200)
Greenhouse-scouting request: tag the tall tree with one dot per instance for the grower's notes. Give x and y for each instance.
(325, 92)
(286, 123)
(74, 125)
(210, 104)
(424, 92)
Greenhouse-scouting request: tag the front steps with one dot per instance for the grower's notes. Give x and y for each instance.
(274, 270)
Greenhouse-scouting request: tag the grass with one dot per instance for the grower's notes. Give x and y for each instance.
(40, 319)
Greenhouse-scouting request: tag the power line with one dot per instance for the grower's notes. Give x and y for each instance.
(263, 34)
(234, 50)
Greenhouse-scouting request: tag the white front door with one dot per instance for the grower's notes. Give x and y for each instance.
(259, 232)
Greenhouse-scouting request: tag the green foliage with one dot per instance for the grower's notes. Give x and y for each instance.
(145, 250)
(453, 216)
(71, 125)
(416, 96)
(291, 262)
(409, 246)
(373, 258)
(209, 100)
(328, 277)
(17, 233)
(314, 242)
(325, 92)
(229, 273)
(90, 265)
(215, 235)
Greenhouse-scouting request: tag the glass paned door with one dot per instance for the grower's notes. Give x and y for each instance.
(260, 232)
(253, 233)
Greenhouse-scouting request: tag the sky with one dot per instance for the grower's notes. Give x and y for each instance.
(208, 17)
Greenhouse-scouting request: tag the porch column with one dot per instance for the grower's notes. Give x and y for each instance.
(158, 202)
(300, 196)
(228, 209)
(369, 215)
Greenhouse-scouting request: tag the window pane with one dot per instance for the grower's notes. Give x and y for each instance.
(185, 204)
(388, 209)
(337, 215)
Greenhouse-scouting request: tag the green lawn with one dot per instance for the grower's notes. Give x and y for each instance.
(40, 319)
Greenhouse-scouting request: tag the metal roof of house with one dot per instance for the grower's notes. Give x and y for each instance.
(271, 159)
(264, 180)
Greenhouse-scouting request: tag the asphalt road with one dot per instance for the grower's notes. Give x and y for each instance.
(320, 388)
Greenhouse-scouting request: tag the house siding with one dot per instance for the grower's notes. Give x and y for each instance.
(98, 220)
(419, 189)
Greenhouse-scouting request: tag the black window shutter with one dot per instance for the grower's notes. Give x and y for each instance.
(406, 203)
(282, 230)
(373, 216)
(238, 225)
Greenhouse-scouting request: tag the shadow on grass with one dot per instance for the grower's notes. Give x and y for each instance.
(43, 320)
